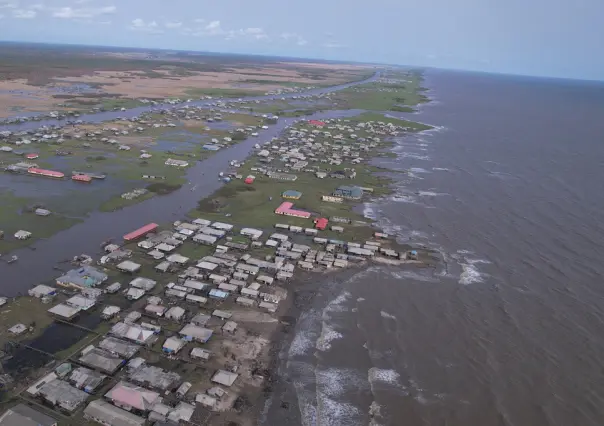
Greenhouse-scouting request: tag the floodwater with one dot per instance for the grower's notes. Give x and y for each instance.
(508, 329)
(36, 266)
(134, 112)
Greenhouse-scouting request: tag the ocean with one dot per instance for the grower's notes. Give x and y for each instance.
(508, 328)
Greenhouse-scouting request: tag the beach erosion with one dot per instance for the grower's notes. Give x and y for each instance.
(325, 371)
(494, 330)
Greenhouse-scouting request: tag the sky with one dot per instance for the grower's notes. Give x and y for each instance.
(554, 38)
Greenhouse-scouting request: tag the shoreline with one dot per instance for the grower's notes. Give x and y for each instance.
(303, 288)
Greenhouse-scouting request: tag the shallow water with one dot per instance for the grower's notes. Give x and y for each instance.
(507, 329)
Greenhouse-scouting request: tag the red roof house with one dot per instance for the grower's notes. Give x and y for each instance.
(43, 172)
(316, 123)
(286, 208)
(141, 231)
(31, 156)
(249, 180)
(321, 223)
(81, 178)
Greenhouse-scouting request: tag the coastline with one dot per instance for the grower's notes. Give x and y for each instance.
(308, 288)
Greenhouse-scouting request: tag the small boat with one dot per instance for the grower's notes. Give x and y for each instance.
(12, 259)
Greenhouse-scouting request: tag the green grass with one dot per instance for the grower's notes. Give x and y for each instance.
(121, 103)
(12, 219)
(223, 93)
(24, 310)
(412, 125)
(278, 83)
(243, 119)
(382, 96)
(250, 205)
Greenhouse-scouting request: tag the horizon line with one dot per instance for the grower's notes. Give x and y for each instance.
(356, 62)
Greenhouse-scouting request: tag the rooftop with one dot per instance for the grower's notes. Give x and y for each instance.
(155, 377)
(22, 415)
(111, 415)
(131, 395)
(85, 276)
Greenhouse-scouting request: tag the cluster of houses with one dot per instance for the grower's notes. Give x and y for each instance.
(180, 312)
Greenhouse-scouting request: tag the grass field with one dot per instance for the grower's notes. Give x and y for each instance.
(400, 94)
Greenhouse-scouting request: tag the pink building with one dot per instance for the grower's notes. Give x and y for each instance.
(286, 209)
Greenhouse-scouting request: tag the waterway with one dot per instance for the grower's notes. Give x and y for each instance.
(36, 266)
(507, 330)
(135, 112)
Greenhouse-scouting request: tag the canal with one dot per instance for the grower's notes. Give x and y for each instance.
(36, 266)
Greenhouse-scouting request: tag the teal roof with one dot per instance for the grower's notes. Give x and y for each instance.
(292, 193)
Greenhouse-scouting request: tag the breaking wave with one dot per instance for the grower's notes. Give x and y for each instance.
(385, 314)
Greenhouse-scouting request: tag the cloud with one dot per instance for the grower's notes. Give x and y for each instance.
(299, 40)
(214, 28)
(139, 24)
(70, 13)
(9, 5)
(333, 45)
(24, 14)
(1, 16)
(173, 24)
(199, 20)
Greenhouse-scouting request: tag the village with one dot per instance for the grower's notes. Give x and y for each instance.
(187, 311)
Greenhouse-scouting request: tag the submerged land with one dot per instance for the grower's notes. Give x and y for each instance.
(202, 302)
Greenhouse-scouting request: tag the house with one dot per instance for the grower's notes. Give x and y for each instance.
(225, 378)
(321, 223)
(177, 258)
(205, 239)
(218, 294)
(102, 412)
(286, 208)
(86, 379)
(64, 311)
(200, 320)
(229, 327)
(22, 235)
(119, 347)
(81, 302)
(291, 194)
(154, 377)
(173, 345)
(143, 283)
(155, 310)
(61, 394)
(205, 400)
(101, 360)
(130, 396)
(176, 163)
(332, 199)
(252, 233)
(85, 276)
(282, 176)
(248, 269)
(348, 192)
(128, 266)
(22, 415)
(133, 333)
(18, 329)
(192, 332)
(200, 353)
(207, 266)
(42, 291)
(175, 313)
